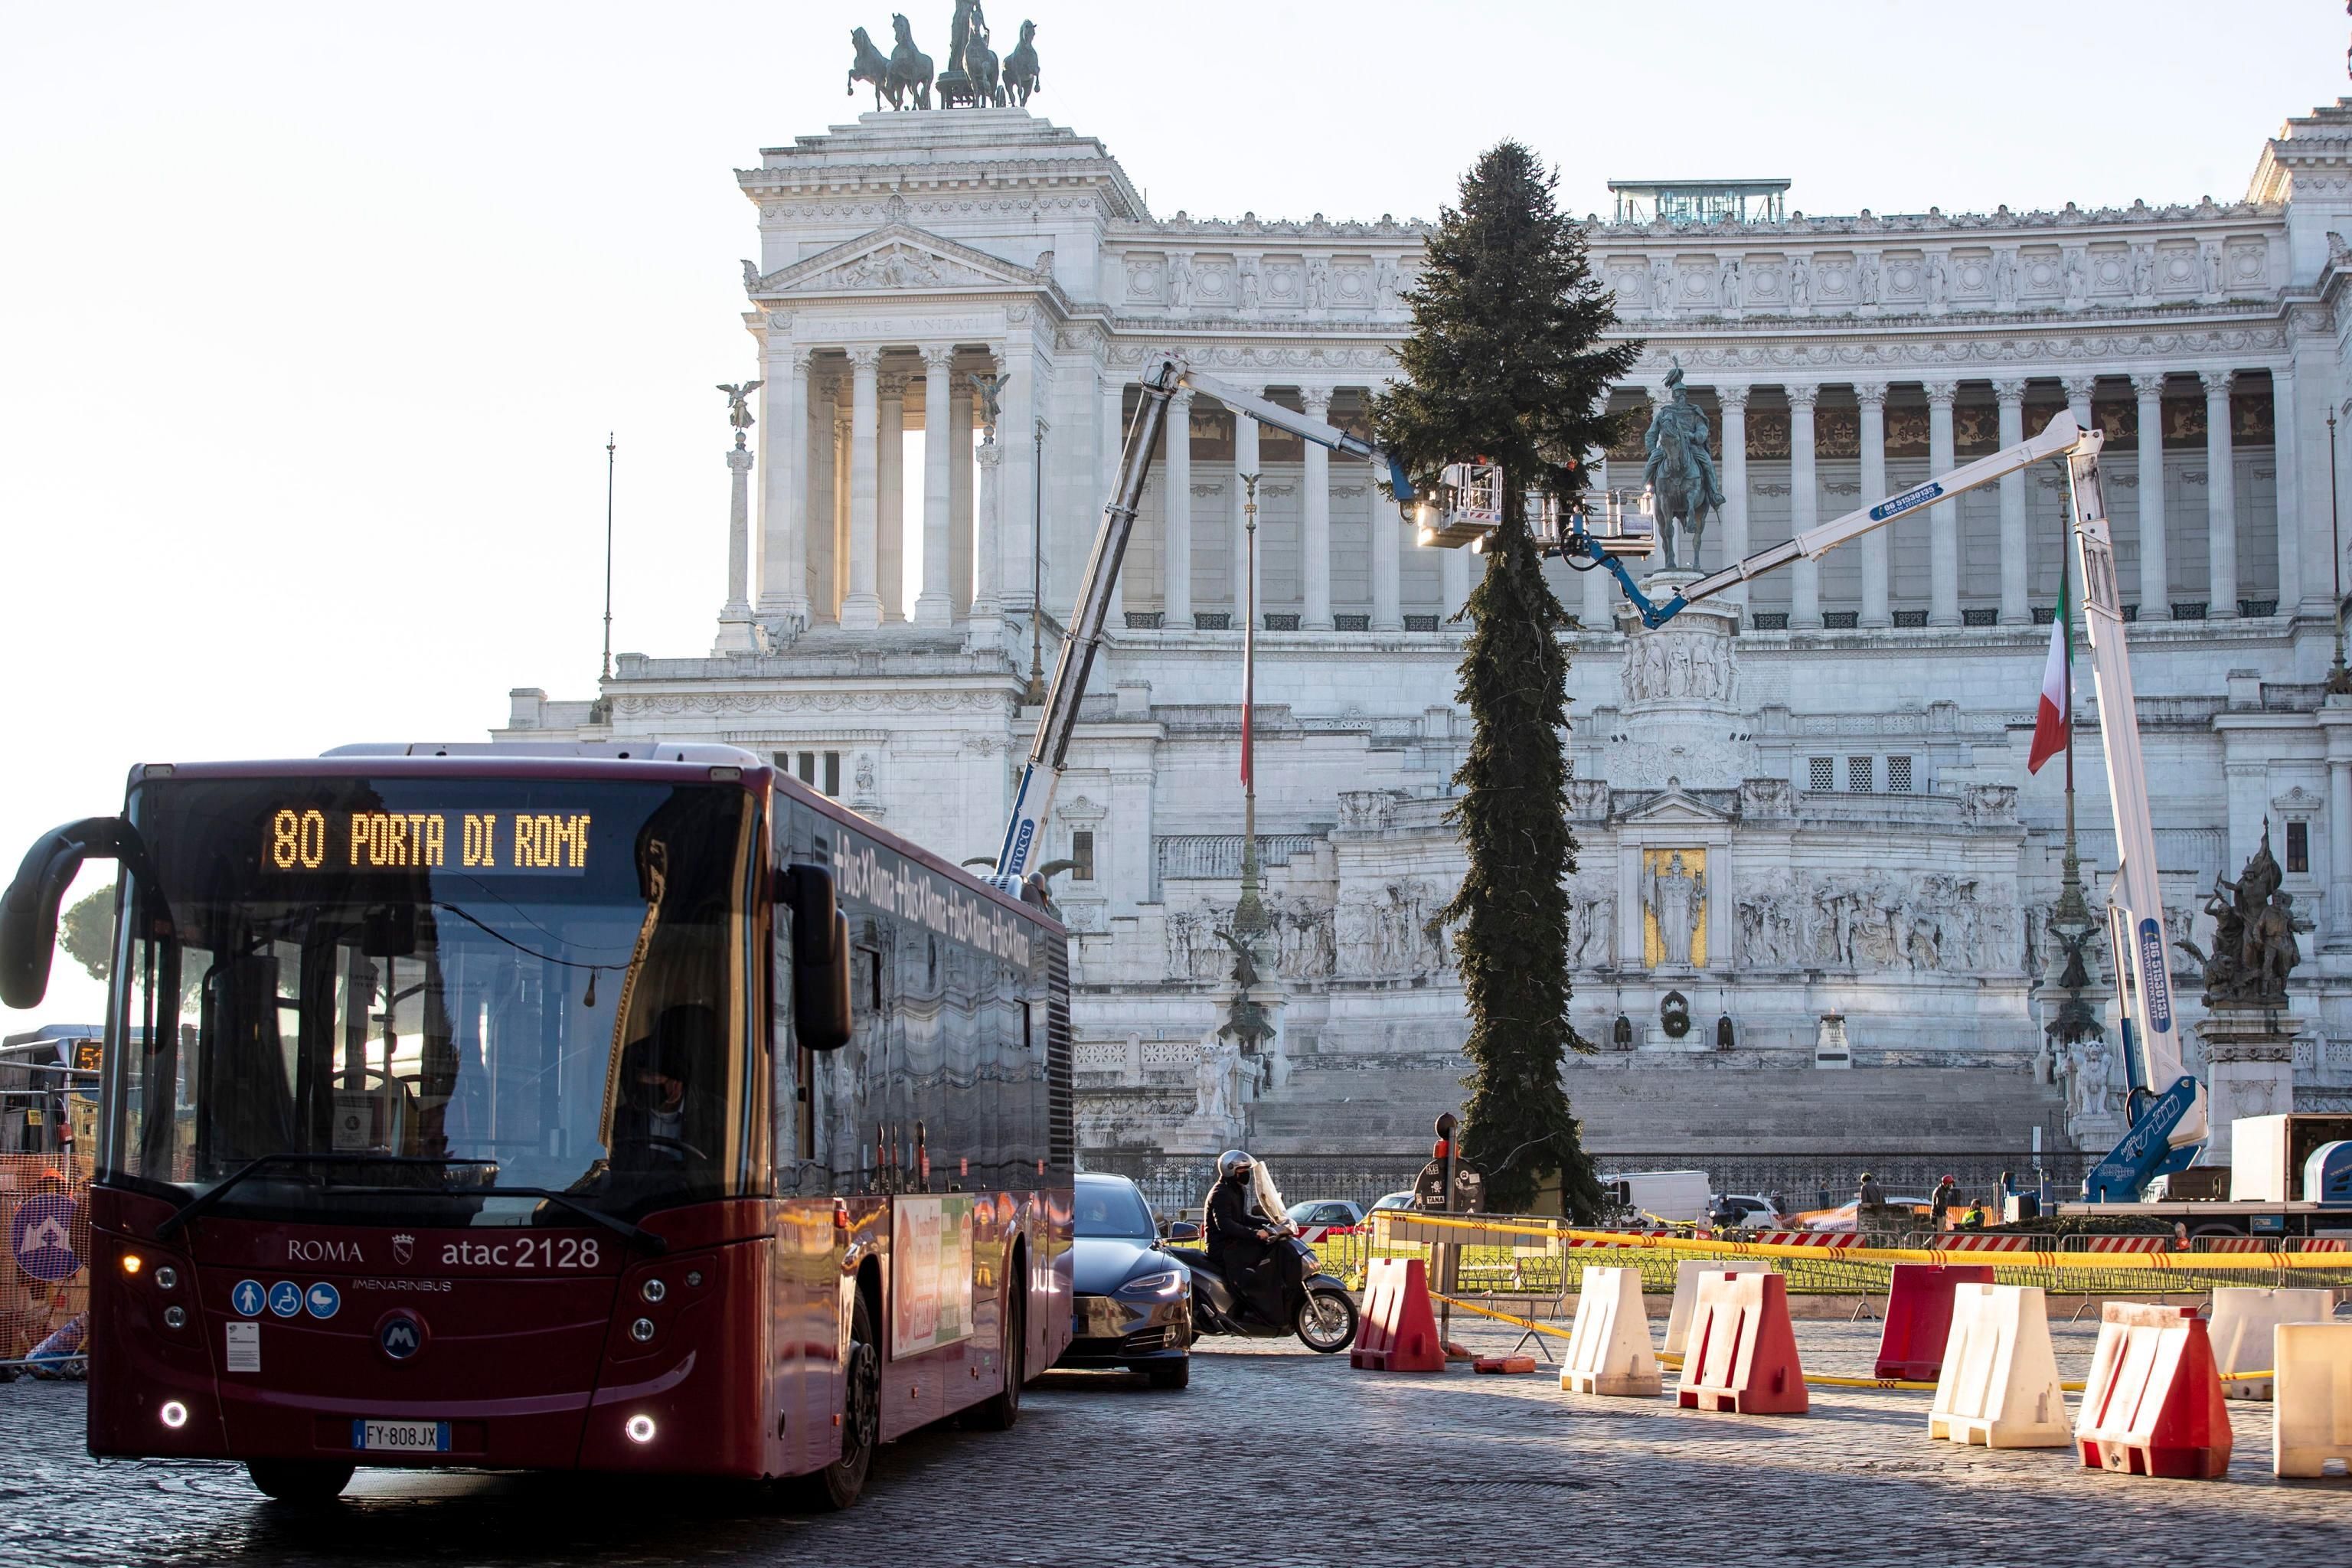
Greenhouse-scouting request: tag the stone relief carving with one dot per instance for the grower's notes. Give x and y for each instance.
(1365, 810)
(1394, 932)
(1588, 799)
(1765, 799)
(897, 267)
(1676, 895)
(1916, 922)
(1591, 924)
(1301, 934)
(1666, 665)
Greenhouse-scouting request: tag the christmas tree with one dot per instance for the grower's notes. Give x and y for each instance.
(1505, 364)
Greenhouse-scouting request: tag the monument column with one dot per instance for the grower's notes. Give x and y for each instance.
(2336, 723)
(1388, 563)
(783, 485)
(1111, 440)
(1872, 396)
(1245, 462)
(987, 526)
(1804, 508)
(1315, 532)
(962, 519)
(2155, 573)
(2014, 612)
(890, 498)
(1018, 434)
(935, 605)
(1944, 525)
(2220, 498)
(820, 515)
(1733, 401)
(1176, 540)
(735, 620)
(2288, 451)
(861, 606)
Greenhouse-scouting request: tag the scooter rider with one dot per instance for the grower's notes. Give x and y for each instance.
(1240, 1240)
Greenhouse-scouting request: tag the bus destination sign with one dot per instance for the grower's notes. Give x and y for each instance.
(525, 842)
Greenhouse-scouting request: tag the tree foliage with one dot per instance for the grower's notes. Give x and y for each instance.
(1505, 363)
(87, 932)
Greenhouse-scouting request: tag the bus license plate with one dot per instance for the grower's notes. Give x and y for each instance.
(400, 1436)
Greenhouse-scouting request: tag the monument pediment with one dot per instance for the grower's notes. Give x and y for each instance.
(1673, 807)
(896, 257)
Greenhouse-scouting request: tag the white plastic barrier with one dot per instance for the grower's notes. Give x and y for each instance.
(1608, 1349)
(2000, 1384)
(2314, 1363)
(2243, 1316)
(1687, 1277)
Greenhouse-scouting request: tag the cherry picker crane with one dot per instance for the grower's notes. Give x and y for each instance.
(2169, 1117)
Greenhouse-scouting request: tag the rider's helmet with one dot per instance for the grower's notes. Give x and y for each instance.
(1233, 1163)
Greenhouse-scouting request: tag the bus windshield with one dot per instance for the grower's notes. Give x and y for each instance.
(409, 994)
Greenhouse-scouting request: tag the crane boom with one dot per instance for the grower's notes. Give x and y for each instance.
(1033, 796)
(2169, 1119)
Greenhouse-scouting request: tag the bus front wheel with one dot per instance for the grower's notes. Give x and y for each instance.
(300, 1480)
(836, 1486)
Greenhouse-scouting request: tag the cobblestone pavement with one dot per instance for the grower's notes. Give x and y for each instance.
(1353, 1469)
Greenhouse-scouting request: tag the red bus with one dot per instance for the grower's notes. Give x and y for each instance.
(597, 1107)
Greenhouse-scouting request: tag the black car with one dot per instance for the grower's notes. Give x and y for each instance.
(1134, 1302)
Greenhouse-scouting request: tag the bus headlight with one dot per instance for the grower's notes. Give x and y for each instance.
(176, 1317)
(174, 1413)
(166, 1278)
(132, 1263)
(642, 1329)
(640, 1428)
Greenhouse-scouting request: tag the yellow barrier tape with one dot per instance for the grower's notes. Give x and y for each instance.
(1669, 1359)
(2185, 1262)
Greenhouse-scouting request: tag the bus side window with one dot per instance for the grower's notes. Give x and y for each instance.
(791, 1125)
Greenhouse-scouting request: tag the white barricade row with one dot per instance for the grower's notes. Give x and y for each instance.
(2312, 1363)
(2243, 1316)
(1609, 1349)
(2000, 1383)
(1686, 1278)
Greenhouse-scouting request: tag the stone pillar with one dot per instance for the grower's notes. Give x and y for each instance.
(2335, 722)
(2287, 451)
(842, 436)
(820, 531)
(1804, 507)
(2014, 610)
(1245, 462)
(2154, 572)
(2220, 497)
(2249, 1068)
(961, 516)
(1872, 396)
(783, 486)
(987, 600)
(1315, 520)
(890, 497)
(2078, 396)
(1944, 523)
(1017, 493)
(935, 605)
(1454, 586)
(1388, 566)
(735, 620)
(1176, 540)
(861, 606)
(1111, 440)
(1733, 400)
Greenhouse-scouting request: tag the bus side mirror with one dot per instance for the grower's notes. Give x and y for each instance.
(28, 910)
(820, 957)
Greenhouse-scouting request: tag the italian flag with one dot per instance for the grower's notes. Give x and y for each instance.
(2053, 718)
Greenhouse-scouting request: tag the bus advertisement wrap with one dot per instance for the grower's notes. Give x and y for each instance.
(931, 1243)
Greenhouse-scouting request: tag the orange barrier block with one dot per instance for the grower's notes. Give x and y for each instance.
(2152, 1405)
(1742, 1348)
(1920, 1317)
(1504, 1364)
(1399, 1331)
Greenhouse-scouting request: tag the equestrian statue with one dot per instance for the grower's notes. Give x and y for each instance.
(1680, 472)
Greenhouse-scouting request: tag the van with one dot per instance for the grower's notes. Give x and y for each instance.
(1679, 1197)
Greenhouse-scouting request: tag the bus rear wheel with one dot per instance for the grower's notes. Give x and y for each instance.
(300, 1480)
(837, 1485)
(1000, 1410)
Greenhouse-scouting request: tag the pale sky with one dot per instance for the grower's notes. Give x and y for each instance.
(313, 320)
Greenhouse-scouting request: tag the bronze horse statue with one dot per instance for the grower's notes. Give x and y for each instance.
(910, 69)
(1680, 472)
(1021, 66)
(869, 66)
(980, 65)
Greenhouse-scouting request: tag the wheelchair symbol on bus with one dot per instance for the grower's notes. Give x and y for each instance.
(248, 1298)
(286, 1298)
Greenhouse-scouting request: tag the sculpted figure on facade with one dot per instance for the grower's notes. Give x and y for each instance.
(1676, 900)
(1938, 282)
(1662, 285)
(1865, 279)
(1386, 288)
(2253, 935)
(1728, 283)
(2078, 279)
(1593, 925)
(1800, 282)
(2143, 272)
(2004, 278)
(1245, 270)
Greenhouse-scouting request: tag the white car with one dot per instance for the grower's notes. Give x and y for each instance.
(1318, 1217)
(1743, 1211)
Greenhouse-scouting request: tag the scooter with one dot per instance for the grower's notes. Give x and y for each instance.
(1319, 1309)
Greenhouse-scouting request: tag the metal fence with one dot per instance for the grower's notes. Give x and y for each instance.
(44, 1283)
(1174, 1184)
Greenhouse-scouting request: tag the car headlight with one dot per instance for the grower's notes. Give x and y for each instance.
(1165, 1282)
